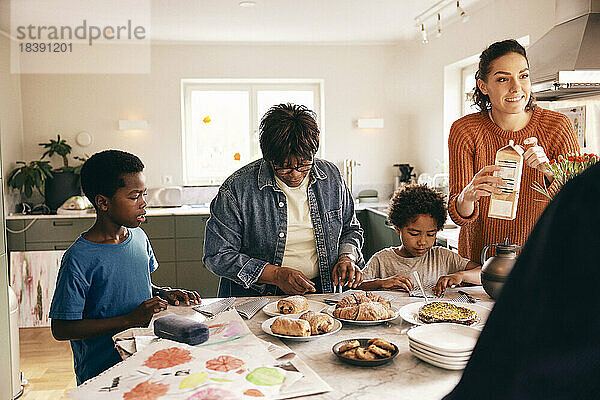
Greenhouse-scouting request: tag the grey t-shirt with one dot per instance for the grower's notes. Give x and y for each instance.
(436, 262)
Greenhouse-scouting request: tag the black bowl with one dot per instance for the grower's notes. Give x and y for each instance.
(363, 363)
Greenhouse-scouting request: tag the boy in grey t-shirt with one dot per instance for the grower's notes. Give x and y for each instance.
(418, 213)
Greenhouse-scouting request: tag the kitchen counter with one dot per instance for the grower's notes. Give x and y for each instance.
(153, 211)
(406, 377)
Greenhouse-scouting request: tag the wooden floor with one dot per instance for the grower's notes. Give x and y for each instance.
(46, 363)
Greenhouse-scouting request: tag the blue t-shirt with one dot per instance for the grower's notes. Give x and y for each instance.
(97, 281)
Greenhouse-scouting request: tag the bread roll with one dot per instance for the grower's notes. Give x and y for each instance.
(292, 305)
(290, 327)
(320, 323)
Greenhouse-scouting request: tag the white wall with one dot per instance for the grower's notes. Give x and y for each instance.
(356, 80)
(419, 79)
(11, 122)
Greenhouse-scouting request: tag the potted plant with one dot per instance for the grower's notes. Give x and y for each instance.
(28, 177)
(64, 182)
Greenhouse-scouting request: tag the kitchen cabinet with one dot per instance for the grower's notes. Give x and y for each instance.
(378, 233)
(177, 242)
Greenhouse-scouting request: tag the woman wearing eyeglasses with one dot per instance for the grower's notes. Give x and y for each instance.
(284, 224)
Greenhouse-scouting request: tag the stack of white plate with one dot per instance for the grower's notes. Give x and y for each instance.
(444, 345)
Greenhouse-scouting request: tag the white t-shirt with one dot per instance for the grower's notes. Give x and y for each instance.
(300, 248)
(436, 262)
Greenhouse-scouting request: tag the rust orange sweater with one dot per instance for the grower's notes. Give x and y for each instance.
(473, 142)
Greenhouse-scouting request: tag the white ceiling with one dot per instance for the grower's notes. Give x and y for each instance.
(304, 21)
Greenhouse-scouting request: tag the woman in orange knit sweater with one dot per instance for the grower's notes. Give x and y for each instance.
(503, 94)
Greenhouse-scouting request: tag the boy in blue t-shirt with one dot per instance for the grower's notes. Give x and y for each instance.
(103, 284)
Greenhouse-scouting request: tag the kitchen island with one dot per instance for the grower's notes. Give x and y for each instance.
(405, 377)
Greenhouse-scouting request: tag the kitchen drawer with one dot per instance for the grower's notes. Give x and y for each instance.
(15, 241)
(59, 230)
(159, 227)
(194, 276)
(187, 226)
(190, 249)
(165, 274)
(164, 249)
(47, 246)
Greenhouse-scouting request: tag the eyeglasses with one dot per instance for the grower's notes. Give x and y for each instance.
(302, 168)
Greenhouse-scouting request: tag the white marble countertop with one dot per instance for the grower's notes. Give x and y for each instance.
(153, 211)
(406, 377)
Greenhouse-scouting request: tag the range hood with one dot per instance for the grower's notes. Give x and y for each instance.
(565, 62)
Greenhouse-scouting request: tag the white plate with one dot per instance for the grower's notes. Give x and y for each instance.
(410, 313)
(271, 309)
(330, 310)
(266, 326)
(445, 337)
(427, 359)
(442, 357)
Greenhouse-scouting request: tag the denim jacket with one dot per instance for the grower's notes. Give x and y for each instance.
(247, 227)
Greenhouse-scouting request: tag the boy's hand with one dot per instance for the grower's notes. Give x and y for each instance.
(174, 296)
(397, 282)
(345, 272)
(143, 313)
(447, 281)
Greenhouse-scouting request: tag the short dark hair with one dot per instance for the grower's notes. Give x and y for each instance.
(288, 130)
(409, 202)
(494, 51)
(103, 172)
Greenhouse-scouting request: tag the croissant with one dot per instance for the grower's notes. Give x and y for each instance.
(320, 323)
(292, 305)
(353, 299)
(346, 312)
(290, 327)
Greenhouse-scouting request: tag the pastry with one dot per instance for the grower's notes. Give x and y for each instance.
(290, 327)
(320, 323)
(292, 305)
(360, 297)
(350, 345)
(379, 352)
(439, 311)
(346, 313)
(372, 312)
(307, 315)
(382, 343)
(365, 354)
(350, 353)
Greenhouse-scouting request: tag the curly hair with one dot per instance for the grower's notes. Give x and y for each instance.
(409, 202)
(288, 130)
(494, 51)
(103, 172)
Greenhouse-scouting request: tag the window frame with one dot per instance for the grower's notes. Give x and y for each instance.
(252, 86)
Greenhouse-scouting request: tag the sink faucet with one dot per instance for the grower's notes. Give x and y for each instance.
(349, 166)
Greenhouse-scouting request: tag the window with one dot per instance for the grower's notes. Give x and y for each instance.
(467, 85)
(221, 120)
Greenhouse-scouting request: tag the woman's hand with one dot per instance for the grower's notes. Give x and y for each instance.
(483, 184)
(397, 282)
(346, 272)
(536, 158)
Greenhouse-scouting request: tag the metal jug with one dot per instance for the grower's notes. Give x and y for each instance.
(496, 269)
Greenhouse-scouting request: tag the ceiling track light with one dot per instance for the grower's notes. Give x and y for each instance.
(463, 14)
(424, 34)
(439, 26)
